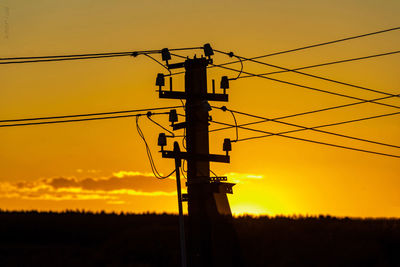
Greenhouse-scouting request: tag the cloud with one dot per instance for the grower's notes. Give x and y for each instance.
(112, 188)
(241, 177)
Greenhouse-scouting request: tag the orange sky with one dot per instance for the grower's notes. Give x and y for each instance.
(102, 165)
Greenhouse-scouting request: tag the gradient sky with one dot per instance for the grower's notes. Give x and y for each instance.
(102, 165)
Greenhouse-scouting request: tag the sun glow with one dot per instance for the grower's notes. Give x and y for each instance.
(249, 209)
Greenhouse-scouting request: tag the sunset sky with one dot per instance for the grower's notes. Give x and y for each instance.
(102, 165)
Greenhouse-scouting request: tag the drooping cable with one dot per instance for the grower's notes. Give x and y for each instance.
(149, 155)
(152, 58)
(149, 114)
(231, 54)
(224, 108)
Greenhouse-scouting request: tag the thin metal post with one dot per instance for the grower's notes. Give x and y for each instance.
(181, 219)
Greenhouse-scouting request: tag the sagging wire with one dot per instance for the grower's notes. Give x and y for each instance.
(231, 54)
(183, 171)
(159, 125)
(149, 155)
(158, 63)
(224, 108)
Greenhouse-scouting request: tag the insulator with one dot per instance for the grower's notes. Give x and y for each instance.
(165, 54)
(227, 146)
(173, 116)
(224, 82)
(160, 80)
(162, 140)
(208, 51)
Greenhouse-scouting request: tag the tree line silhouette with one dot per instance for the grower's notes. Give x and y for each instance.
(79, 238)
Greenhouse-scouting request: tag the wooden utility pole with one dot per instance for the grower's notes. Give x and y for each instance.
(211, 237)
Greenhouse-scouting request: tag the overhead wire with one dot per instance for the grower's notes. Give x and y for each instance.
(316, 45)
(149, 114)
(152, 58)
(88, 114)
(359, 139)
(149, 155)
(326, 125)
(299, 114)
(309, 128)
(33, 59)
(304, 86)
(302, 73)
(61, 59)
(328, 63)
(320, 44)
(311, 88)
(75, 120)
(304, 139)
(101, 54)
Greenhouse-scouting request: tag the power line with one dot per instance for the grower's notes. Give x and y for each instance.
(149, 155)
(62, 59)
(149, 114)
(89, 114)
(302, 73)
(16, 60)
(100, 54)
(329, 63)
(315, 45)
(309, 87)
(320, 44)
(305, 67)
(310, 128)
(302, 86)
(298, 130)
(78, 120)
(75, 55)
(304, 139)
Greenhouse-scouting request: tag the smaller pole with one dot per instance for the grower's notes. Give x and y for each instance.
(178, 189)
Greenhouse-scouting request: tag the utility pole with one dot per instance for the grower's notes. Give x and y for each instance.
(211, 236)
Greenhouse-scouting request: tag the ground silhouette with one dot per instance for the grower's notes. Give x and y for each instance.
(87, 239)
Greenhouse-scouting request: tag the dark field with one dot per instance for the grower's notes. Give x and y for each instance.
(84, 239)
